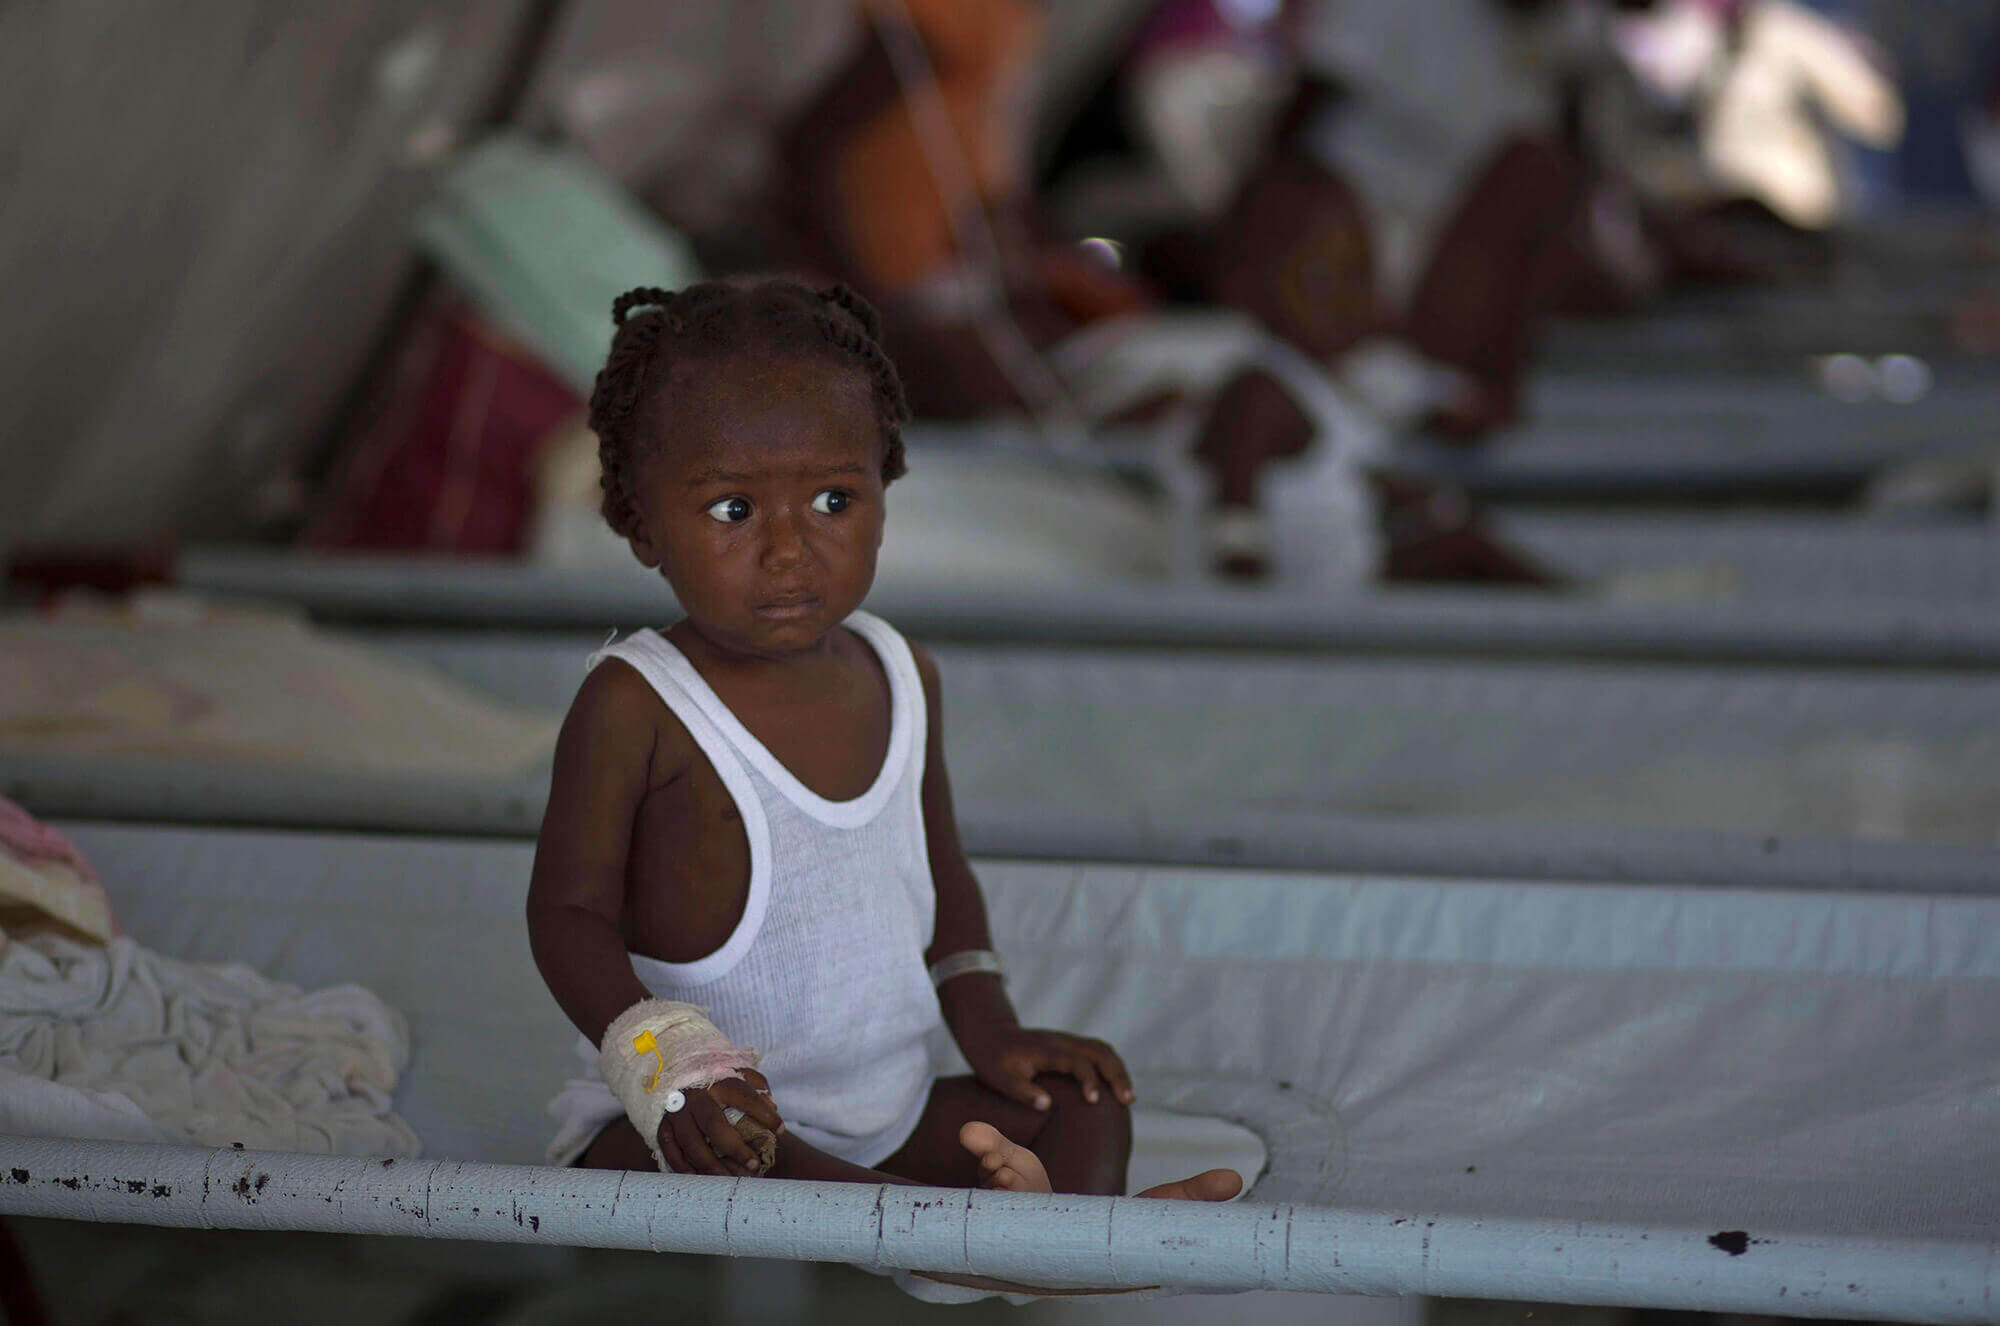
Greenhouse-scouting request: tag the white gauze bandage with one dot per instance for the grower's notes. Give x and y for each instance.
(660, 1046)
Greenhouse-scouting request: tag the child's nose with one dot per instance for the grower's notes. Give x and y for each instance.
(784, 540)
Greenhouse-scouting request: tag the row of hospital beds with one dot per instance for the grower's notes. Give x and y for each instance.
(1554, 947)
(1794, 589)
(1704, 1038)
(1707, 773)
(1638, 944)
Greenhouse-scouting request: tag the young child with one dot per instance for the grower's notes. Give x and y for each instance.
(750, 810)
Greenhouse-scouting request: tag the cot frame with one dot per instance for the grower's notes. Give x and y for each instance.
(407, 591)
(1055, 1241)
(164, 793)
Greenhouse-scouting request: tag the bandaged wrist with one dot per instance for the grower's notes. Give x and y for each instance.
(659, 1046)
(968, 960)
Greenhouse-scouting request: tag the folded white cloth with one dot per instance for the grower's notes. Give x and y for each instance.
(36, 1107)
(95, 1040)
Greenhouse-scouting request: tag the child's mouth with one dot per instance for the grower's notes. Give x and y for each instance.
(790, 605)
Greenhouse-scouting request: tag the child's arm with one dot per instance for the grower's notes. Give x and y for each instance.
(610, 752)
(1003, 1054)
(604, 762)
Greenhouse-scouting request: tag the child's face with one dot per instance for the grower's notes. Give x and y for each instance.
(763, 507)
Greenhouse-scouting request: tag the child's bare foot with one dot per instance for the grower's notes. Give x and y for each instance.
(1212, 1185)
(1015, 1168)
(1001, 1163)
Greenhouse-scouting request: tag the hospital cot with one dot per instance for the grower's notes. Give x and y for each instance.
(1429, 766)
(1733, 1100)
(1779, 334)
(1780, 559)
(1680, 438)
(1885, 597)
(1885, 294)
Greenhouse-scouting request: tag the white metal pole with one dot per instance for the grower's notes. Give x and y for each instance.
(1040, 1240)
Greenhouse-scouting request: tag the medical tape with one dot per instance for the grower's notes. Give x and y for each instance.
(661, 1046)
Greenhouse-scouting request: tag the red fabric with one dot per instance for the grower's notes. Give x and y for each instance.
(28, 838)
(448, 464)
(1180, 23)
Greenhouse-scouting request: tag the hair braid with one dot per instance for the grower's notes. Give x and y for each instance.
(617, 399)
(639, 297)
(891, 410)
(845, 296)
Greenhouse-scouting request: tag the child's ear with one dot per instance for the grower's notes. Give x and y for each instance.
(642, 547)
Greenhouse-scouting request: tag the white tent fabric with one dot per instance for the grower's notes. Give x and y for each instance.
(1759, 1101)
(191, 292)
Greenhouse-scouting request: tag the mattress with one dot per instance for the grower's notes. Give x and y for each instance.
(1747, 1100)
(1893, 627)
(1862, 755)
(1720, 775)
(1688, 436)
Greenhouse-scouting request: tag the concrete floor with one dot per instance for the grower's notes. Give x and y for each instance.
(115, 1275)
(129, 1275)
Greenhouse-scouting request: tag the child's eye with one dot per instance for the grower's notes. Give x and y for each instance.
(730, 510)
(830, 501)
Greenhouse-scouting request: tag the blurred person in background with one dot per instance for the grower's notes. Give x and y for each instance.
(1768, 90)
(1425, 186)
(908, 176)
(885, 143)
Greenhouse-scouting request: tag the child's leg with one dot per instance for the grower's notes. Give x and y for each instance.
(1253, 421)
(619, 1147)
(1480, 296)
(1084, 1147)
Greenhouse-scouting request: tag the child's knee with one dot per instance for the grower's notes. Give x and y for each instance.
(1107, 1112)
(1087, 1145)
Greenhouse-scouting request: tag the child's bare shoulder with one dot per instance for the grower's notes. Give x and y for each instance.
(926, 662)
(618, 720)
(927, 671)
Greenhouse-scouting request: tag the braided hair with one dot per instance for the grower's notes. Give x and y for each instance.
(715, 319)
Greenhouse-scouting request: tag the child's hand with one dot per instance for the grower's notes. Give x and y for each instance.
(698, 1139)
(1007, 1058)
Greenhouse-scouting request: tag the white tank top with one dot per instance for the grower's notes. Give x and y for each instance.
(825, 973)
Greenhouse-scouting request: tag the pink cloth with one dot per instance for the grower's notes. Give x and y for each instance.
(25, 836)
(1179, 23)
